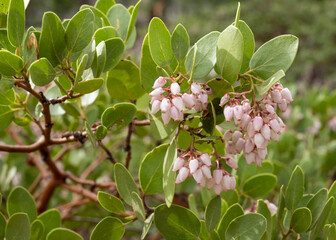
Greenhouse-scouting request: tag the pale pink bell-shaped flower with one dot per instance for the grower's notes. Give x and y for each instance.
(155, 106)
(174, 113)
(188, 100)
(155, 98)
(226, 182)
(217, 188)
(205, 158)
(195, 88)
(227, 135)
(230, 148)
(218, 174)
(178, 164)
(182, 175)
(198, 176)
(165, 105)
(273, 208)
(262, 153)
(180, 116)
(240, 144)
(211, 183)
(283, 105)
(269, 108)
(250, 129)
(274, 136)
(160, 82)
(246, 107)
(198, 105)
(203, 98)
(231, 162)
(276, 96)
(165, 117)
(232, 183)
(203, 182)
(249, 146)
(224, 99)
(238, 112)
(236, 135)
(266, 131)
(193, 165)
(156, 92)
(274, 124)
(257, 123)
(286, 94)
(206, 171)
(259, 140)
(178, 103)
(259, 160)
(228, 113)
(175, 88)
(250, 158)
(245, 120)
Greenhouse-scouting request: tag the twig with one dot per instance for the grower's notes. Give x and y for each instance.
(35, 184)
(141, 122)
(128, 148)
(81, 191)
(109, 154)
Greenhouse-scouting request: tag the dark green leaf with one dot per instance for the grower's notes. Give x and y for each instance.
(51, 219)
(249, 43)
(109, 228)
(16, 22)
(10, 64)
(123, 82)
(121, 114)
(90, 134)
(147, 225)
(209, 120)
(233, 212)
(119, 18)
(104, 5)
(138, 207)
(317, 203)
(41, 72)
(212, 214)
(267, 84)
(64, 234)
(131, 25)
(114, 52)
(18, 227)
(52, 40)
(101, 132)
(89, 86)
(100, 19)
(110, 203)
(220, 87)
(263, 210)
(301, 220)
(322, 219)
(36, 230)
(3, 225)
(274, 55)
(20, 200)
(150, 172)
(229, 53)
(176, 222)
(159, 43)
(168, 173)
(125, 183)
(180, 42)
(295, 188)
(260, 184)
(105, 33)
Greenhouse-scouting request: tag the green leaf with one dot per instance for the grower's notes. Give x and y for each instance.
(230, 197)
(295, 188)
(180, 42)
(159, 43)
(81, 67)
(249, 226)
(274, 55)
(100, 59)
(229, 53)
(41, 72)
(6, 116)
(151, 170)
(110, 203)
(281, 206)
(20, 200)
(121, 114)
(4, 6)
(123, 82)
(4, 42)
(233, 212)
(100, 19)
(219, 87)
(267, 84)
(16, 22)
(212, 214)
(90, 134)
(101, 132)
(125, 183)
(176, 222)
(3, 225)
(138, 207)
(260, 184)
(131, 25)
(52, 40)
(104, 5)
(51, 219)
(64, 234)
(168, 174)
(160, 129)
(104, 33)
(109, 228)
(10, 64)
(148, 73)
(301, 220)
(192, 204)
(114, 52)
(322, 219)
(249, 44)
(209, 119)
(317, 203)
(263, 210)
(147, 225)
(119, 18)
(90, 50)
(18, 227)
(89, 86)
(36, 230)
(79, 31)
(202, 56)
(71, 109)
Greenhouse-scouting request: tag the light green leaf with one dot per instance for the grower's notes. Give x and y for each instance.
(274, 55)
(230, 197)
(192, 204)
(159, 43)
(151, 170)
(168, 173)
(4, 6)
(317, 203)
(202, 56)
(3, 225)
(36, 230)
(90, 134)
(90, 50)
(20, 200)
(161, 130)
(131, 25)
(16, 22)
(233, 212)
(121, 114)
(180, 42)
(104, 5)
(100, 59)
(4, 42)
(51, 219)
(52, 40)
(104, 33)
(263, 210)
(301, 220)
(89, 86)
(81, 68)
(125, 183)
(123, 82)
(109, 228)
(18, 227)
(176, 222)
(295, 188)
(64, 234)
(119, 18)
(249, 226)
(110, 203)
(41, 72)
(212, 214)
(138, 207)
(260, 184)
(10, 64)
(267, 84)
(322, 219)
(114, 52)
(101, 132)
(100, 19)
(249, 44)
(6, 116)
(229, 53)
(147, 225)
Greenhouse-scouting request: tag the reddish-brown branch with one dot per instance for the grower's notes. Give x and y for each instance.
(145, 122)
(89, 182)
(46, 194)
(128, 148)
(81, 191)
(35, 184)
(108, 152)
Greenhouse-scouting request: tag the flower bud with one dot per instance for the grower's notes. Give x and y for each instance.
(230, 148)
(257, 123)
(198, 105)
(250, 129)
(227, 135)
(211, 183)
(205, 158)
(240, 144)
(178, 164)
(236, 135)
(226, 182)
(274, 124)
(174, 113)
(238, 112)
(273, 208)
(156, 92)
(165, 105)
(228, 113)
(259, 140)
(217, 189)
(203, 98)
(286, 94)
(224, 99)
(246, 107)
(206, 171)
(178, 103)
(198, 176)
(232, 183)
(245, 120)
(276, 96)
(262, 153)
(193, 165)
(274, 136)
(258, 160)
(203, 182)
(231, 162)
(250, 158)
(175, 88)
(266, 132)
(283, 105)
(195, 88)
(180, 116)
(269, 109)
(188, 100)
(160, 82)
(218, 174)
(249, 146)
(165, 117)
(182, 175)
(155, 106)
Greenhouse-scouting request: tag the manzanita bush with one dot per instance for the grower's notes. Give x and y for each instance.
(198, 119)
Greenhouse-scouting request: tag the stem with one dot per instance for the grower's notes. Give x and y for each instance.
(128, 149)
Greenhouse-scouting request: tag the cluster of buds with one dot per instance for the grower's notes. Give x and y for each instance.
(258, 124)
(332, 124)
(199, 167)
(170, 101)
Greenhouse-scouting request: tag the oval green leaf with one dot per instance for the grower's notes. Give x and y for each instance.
(180, 42)
(233, 212)
(138, 207)
(212, 214)
(110, 203)
(260, 184)
(104, 33)
(119, 18)
(249, 44)
(317, 203)
(36, 230)
(109, 228)
(295, 188)
(16, 22)
(121, 114)
(101, 132)
(41, 72)
(18, 227)
(114, 52)
(10, 64)
(301, 220)
(89, 86)
(51, 219)
(64, 234)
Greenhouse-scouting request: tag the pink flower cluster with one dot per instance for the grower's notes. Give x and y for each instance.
(199, 167)
(258, 124)
(170, 101)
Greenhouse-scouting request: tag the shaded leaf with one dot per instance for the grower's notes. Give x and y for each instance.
(260, 184)
(110, 203)
(168, 173)
(212, 214)
(16, 22)
(109, 228)
(89, 86)
(180, 42)
(64, 234)
(295, 188)
(10, 64)
(41, 72)
(18, 227)
(121, 114)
